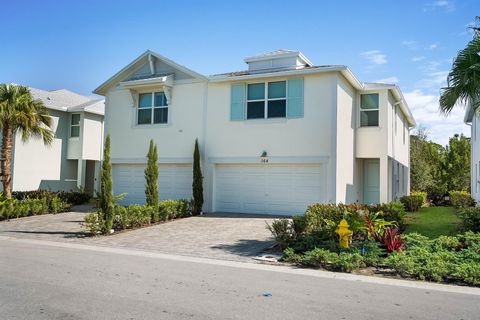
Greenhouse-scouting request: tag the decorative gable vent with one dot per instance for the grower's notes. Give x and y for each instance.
(277, 60)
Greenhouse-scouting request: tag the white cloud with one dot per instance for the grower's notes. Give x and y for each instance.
(434, 80)
(440, 5)
(425, 109)
(432, 46)
(419, 58)
(410, 44)
(388, 80)
(375, 57)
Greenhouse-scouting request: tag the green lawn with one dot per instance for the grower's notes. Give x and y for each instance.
(432, 222)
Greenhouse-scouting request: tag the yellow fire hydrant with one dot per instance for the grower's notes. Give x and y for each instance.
(344, 233)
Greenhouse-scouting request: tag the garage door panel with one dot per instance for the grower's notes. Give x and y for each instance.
(276, 189)
(174, 182)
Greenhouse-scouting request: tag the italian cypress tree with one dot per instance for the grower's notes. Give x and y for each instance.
(107, 207)
(151, 175)
(197, 185)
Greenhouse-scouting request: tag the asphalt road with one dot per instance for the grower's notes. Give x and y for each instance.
(39, 281)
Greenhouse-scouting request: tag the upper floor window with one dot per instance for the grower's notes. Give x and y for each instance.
(152, 108)
(369, 107)
(267, 100)
(75, 125)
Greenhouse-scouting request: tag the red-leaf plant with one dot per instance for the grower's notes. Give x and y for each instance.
(386, 235)
(392, 240)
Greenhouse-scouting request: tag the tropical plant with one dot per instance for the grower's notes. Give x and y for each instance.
(463, 82)
(392, 241)
(20, 112)
(151, 175)
(105, 197)
(197, 184)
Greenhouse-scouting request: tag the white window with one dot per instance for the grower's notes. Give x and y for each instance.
(369, 107)
(75, 125)
(152, 108)
(267, 100)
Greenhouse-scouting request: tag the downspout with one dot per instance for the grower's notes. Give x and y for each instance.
(395, 183)
(473, 181)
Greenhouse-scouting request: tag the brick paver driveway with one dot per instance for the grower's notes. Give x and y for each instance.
(218, 236)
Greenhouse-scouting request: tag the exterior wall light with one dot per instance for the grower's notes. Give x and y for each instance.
(264, 157)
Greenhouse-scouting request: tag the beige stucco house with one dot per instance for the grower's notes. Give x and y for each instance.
(274, 138)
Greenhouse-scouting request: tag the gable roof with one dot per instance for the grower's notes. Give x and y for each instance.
(68, 101)
(138, 62)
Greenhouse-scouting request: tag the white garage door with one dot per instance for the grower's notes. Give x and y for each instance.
(174, 182)
(270, 188)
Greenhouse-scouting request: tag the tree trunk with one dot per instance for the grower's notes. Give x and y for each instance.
(6, 164)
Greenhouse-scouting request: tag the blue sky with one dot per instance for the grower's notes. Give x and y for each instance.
(79, 44)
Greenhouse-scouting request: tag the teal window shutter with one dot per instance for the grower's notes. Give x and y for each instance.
(295, 98)
(237, 102)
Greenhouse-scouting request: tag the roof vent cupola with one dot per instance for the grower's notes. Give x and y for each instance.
(279, 59)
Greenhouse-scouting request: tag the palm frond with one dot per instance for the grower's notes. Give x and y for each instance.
(463, 79)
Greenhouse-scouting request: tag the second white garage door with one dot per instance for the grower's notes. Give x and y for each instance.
(174, 182)
(268, 188)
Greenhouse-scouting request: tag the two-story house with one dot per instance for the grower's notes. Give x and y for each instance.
(72, 161)
(274, 138)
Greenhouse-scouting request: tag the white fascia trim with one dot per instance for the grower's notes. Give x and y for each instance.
(99, 90)
(271, 160)
(226, 78)
(163, 160)
(404, 106)
(163, 80)
(178, 66)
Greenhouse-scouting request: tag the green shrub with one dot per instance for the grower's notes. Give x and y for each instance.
(421, 194)
(326, 217)
(461, 199)
(281, 230)
(172, 209)
(442, 259)
(470, 218)
(343, 261)
(390, 211)
(57, 205)
(412, 203)
(299, 226)
(93, 223)
(121, 218)
(13, 208)
(436, 194)
(70, 197)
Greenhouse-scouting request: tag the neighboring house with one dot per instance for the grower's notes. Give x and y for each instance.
(71, 162)
(472, 118)
(274, 138)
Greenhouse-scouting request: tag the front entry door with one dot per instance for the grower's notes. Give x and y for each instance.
(371, 181)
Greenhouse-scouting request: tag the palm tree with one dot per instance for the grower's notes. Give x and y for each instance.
(464, 77)
(20, 113)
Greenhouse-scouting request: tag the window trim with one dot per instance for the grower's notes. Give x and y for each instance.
(265, 100)
(75, 125)
(368, 110)
(152, 108)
